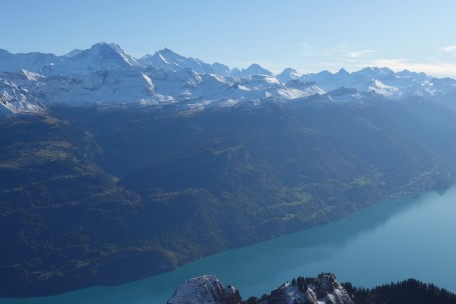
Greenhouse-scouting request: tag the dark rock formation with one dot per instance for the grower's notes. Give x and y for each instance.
(205, 290)
(209, 290)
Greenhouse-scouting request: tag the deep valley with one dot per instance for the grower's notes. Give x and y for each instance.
(106, 196)
(114, 169)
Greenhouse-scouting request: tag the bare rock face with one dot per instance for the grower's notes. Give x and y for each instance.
(206, 289)
(209, 290)
(323, 289)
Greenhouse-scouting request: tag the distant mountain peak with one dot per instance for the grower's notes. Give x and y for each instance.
(100, 56)
(165, 59)
(169, 60)
(73, 53)
(375, 71)
(257, 67)
(342, 71)
(325, 72)
(169, 56)
(166, 50)
(289, 70)
(254, 69)
(288, 74)
(105, 47)
(110, 51)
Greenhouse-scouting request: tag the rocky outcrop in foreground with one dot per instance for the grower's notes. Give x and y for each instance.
(206, 289)
(209, 290)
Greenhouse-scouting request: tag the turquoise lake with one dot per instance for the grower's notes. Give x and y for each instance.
(390, 241)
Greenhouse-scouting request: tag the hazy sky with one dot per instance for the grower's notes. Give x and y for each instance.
(309, 36)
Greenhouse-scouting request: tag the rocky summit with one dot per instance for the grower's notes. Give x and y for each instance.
(324, 289)
(209, 290)
(205, 290)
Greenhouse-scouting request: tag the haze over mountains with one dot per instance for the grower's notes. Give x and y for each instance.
(131, 167)
(106, 75)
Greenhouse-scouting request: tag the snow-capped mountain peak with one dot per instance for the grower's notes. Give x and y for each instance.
(101, 56)
(288, 74)
(168, 56)
(375, 72)
(104, 54)
(168, 60)
(164, 59)
(105, 75)
(413, 75)
(130, 60)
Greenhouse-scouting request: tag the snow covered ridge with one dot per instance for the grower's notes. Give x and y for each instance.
(106, 75)
(209, 290)
(14, 99)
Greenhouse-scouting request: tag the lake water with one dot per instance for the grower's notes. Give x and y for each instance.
(390, 241)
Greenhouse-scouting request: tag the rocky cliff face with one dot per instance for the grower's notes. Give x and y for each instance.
(205, 290)
(209, 290)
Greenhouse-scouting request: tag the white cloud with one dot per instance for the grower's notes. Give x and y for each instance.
(449, 49)
(436, 68)
(355, 55)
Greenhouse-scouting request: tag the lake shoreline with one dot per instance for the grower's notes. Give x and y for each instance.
(306, 248)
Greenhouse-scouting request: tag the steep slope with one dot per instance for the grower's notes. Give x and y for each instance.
(62, 218)
(189, 185)
(98, 88)
(15, 99)
(236, 176)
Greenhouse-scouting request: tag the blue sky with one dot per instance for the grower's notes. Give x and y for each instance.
(309, 36)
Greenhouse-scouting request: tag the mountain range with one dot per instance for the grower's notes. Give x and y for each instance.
(116, 168)
(105, 75)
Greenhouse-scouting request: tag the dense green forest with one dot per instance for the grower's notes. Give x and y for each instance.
(92, 196)
(408, 291)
